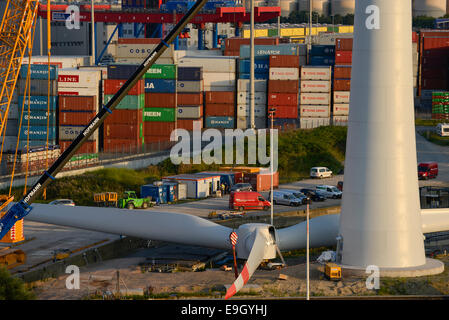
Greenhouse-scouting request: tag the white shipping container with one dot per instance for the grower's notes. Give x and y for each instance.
(218, 79)
(189, 112)
(306, 111)
(340, 120)
(310, 123)
(141, 50)
(139, 61)
(259, 97)
(341, 96)
(315, 86)
(260, 110)
(218, 64)
(102, 69)
(259, 85)
(284, 74)
(60, 61)
(315, 73)
(341, 109)
(78, 78)
(245, 122)
(315, 98)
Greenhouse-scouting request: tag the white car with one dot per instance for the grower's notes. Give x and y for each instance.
(64, 202)
(320, 172)
(329, 191)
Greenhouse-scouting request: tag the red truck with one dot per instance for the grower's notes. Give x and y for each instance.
(247, 200)
(427, 170)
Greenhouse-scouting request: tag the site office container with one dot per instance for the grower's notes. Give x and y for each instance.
(123, 131)
(189, 99)
(283, 99)
(261, 181)
(121, 145)
(342, 72)
(342, 96)
(132, 117)
(75, 118)
(343, 44)
(158, 128)
(189, 112)
(315, 86)
(283, 61)
(157, 193)
(190, 73)
(283, 86)
(226, 177)
(342, 84)
(197, 186)
(87, 147)
(317, 111)
(160, 86)
(315, 98)
(78, 103)
(220, 109)
(111, 86)
(160, 100)
(286, 112)
(219, 97)
(343, 57)
(189, 124)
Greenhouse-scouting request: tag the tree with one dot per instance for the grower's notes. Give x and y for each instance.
(423, 22)
(13, 288)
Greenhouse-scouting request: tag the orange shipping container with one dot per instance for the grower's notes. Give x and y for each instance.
(71, 118)
(220, 97)
(187, 124)
(86, 147)
(283, 86)
(111, 86)
(190, 99)
(122, 116)
(233, 44)
(122, 131)
(158, 128)
(343, 44)
(342, 85)
(342, 72)
(78, 103)
(261, 181)
(220, 109)
(160, 100)
(282, 99)
(154, 139)
(122, 145)
(139, 41)
(284, 61)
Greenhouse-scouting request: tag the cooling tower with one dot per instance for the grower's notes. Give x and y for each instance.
(342, 7)
(319, 6)
(430, 8)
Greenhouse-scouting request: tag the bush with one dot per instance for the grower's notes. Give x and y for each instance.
(12, 288)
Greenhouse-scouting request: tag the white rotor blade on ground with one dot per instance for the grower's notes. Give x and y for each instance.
(146, 224)
(255, 258)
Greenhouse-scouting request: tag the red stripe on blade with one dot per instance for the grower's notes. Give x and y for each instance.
(245, 274)
(230, 292)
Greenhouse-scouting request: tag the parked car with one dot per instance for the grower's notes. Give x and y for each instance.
(314, 195)
(320, 172)
(64, 202)
(298, 194)
(330, 191)
(285, 198)
(427, 170)
(248, 200)
(241, 187)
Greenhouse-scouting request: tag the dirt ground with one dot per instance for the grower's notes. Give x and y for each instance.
(101, 280)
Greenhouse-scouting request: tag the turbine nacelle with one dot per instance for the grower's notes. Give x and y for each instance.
(247, 236)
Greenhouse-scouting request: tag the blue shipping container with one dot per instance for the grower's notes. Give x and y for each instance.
(121, 71)
(220, 122)
(322, 50)
(39, 71)
(260, 66)
(266, 51)
(281, 122)
(37, 144)
(39, 103)
(322, 61)
(170, 191)
(257, 76)
(39, 118)
(157, 193)
(160, 85)
(38, 132)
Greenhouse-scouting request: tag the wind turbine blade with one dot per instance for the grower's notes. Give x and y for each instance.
(254, 259)
(146, 224)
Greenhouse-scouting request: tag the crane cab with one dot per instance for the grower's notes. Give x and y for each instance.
(332, 271)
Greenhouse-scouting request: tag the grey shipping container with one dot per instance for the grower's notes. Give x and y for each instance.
(71, 132)
(190, 73)
(187, 86)
(121, 71)
(39, 87)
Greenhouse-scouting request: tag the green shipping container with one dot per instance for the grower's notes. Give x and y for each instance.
(332, 29)
(272, 32)
(128, 102)
(162, 71)
(159, 114)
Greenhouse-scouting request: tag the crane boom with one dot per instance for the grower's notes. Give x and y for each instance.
(20, 209)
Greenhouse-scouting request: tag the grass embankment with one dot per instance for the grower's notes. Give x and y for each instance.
(428, 122)
(431, 136)
(298, 151)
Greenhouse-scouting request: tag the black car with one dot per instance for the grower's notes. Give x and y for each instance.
(241, 187)
(313, 194)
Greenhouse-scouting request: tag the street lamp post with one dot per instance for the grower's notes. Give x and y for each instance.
(271, 113)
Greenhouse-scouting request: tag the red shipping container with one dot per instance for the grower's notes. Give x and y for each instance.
(139, 41)
(121, 116)
(434, 84)
(343, 57)
(71, 118)
(111, 86)
(283, 99)
(187, 124)
(342, 72)
(284, 61)
(229, 53)
(158, 128)
(233, 44)
(429, 43)
(414, 36)
(343, 44)
(342, 84)
(285, 112)
(86, 147)
(220, 109)
(220, 97)
(122, 131)
(78, 103)
(260, 181)
(190, 99)
(160, 100)
(122, 145)
(434, 73)
(154, 139)
(283, 86)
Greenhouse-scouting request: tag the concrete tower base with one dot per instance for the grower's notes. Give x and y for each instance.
(431, 267)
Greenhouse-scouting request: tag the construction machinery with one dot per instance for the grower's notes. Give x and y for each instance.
(332, 271)
(106, 199)
(130, 201)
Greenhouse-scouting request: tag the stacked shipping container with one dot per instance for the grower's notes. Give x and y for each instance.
(232, 45)
(322, 55)
(190, 88)
(342, 81)
(135, 50)
(243, 104)
(440, 105)
(315, 96)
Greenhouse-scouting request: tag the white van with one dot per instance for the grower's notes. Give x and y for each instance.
(329, 191)
(320, 172)
(443, 129)
(285, 198)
